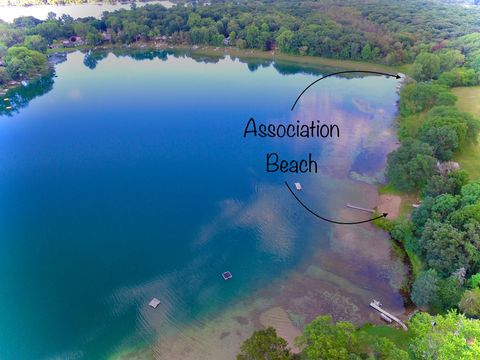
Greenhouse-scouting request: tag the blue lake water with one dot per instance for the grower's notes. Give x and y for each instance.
(131, 179)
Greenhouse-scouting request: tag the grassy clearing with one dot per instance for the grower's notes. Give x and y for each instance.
(469, 101)
(397, 336)
(469, 160)
(407, 198)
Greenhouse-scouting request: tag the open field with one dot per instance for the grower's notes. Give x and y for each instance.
(399, 337)
(469, 101)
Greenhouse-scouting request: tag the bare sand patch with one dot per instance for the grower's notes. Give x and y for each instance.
(218, 338)
(389, 204)
(278, 318)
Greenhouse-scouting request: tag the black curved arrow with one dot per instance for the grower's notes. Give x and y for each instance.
(342, 72)
(331, 221)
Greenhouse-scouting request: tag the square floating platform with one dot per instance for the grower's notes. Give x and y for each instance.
(227, 275)
(298, 186)
(154, 303)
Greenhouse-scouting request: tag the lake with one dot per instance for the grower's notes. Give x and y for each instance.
(8, 13)
(127, 177)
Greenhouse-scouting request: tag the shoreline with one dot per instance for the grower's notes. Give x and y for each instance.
(16, 84)
(314, 61)
(276, 55)
(273, 55)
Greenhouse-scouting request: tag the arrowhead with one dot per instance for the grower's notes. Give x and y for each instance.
(398, 76)
(385, 215)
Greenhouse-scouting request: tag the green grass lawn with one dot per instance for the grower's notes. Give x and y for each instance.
(397, 336)
(469, 101)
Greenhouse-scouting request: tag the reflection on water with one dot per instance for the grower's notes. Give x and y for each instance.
(130, 179)
(21, 96)
(253, 64)
(91, 59)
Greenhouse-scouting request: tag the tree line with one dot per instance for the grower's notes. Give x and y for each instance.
(444, 230)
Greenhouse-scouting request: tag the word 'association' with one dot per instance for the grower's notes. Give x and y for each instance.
(274, 163)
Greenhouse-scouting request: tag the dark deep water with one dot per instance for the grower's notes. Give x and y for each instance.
(131, 179)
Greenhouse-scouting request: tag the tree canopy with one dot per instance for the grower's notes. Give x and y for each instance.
(23, 63)
(265, 344)
(444, 337)
(411, 165)
(323, 339)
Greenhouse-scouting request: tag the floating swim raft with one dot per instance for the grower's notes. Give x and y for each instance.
(227, 275)
(298, 186)
(154, 303)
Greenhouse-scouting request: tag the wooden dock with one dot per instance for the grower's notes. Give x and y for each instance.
(376, 305)
(360, 208)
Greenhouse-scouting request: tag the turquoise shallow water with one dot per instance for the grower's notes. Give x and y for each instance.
(131, 179)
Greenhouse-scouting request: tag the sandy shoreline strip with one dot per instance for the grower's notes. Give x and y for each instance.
(389, 204)
(278, 318)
